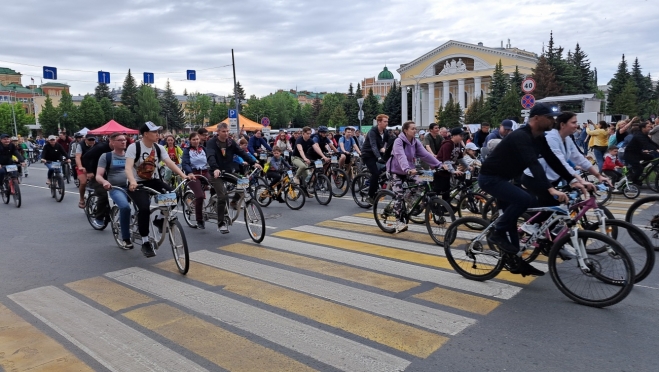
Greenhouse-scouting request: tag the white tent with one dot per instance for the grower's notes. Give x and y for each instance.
(83, 131)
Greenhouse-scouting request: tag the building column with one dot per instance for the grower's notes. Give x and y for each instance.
(431, 103)
(477, 87)
(461, 93)
(445, 92)
(417, 101)
(403, 97)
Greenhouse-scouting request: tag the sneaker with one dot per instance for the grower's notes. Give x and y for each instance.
(158, 222)
(233, 205)
(567, 252)
(201, 225)
(616, 191)
(530, 228)
(127, 244)
(369, 200)
(223, 228)
(147, 250)
(400, 227)
(502, 242)
(525, 269)
(296, 180)
(280, 199)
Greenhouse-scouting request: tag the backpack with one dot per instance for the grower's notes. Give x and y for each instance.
(108, 163)
(149, 165)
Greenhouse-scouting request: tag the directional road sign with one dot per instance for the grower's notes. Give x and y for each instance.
(103, 77)
(528, 85)
(528, 101)
(50, 72)
(191, 74)
(148, 78)
(360, 115)
(265, 121)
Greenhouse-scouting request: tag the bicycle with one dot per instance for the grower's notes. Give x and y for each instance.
(91, 210)
(165, 203)
(338, 177)
(56, 181)
(417, 196)
(624, 185)
(468, 198)
(319, 184)
(293, 195)
(644, 213)
(360, 185)
(9, 187)
(607, 265)
(66, 170)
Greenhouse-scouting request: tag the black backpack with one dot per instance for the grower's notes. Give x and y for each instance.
(390, 149)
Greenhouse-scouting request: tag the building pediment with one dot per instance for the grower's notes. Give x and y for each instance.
(455, 64)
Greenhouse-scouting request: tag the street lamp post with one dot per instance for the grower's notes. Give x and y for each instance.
(360, 115)
(13, 113)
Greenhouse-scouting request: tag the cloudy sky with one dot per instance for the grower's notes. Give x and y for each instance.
(313, 45)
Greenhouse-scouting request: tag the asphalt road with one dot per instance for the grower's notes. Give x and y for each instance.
(325, 291)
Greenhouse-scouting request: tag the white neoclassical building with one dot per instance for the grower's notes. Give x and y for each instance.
(456, 70)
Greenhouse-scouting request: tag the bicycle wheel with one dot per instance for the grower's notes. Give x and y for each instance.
(603, 196)
(383, 211)
(418, 214)
(263, 195)
(255, 221)
(323, 189)
(188, 205)
(59, 194)
(652, 181)
(609, 276)
(67, 173)
(471, 206)
(644, 214)
(490, 211)
(439, 215)
(294, 196)
(359, 189)
(179, 246)
(91, 211)
(5, 192)
(53, 186)
(115, 226)
(631, 191)
(340, 182)
(468, 252)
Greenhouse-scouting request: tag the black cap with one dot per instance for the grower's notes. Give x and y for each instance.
(456, 131)
(4, 135)
(78, 135)
(544, 109)
(90, 136)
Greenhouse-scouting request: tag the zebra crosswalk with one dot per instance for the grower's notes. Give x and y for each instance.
(338, 295)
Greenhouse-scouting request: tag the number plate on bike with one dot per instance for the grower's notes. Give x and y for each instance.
(166, 200)
(318, 164)
(290, 174)
(334, 160)
(425, 176)
(355, 153)
(263, 156)
(56, 166)
(11, 168)
(286, 153)
(242, 183)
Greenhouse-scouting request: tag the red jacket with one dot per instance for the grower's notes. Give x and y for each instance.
(610, 164)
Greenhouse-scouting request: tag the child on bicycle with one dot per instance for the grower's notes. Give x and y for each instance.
(243, 162)
(612, 165)
(275, 166)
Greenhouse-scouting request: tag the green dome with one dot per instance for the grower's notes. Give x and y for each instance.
(385, 74)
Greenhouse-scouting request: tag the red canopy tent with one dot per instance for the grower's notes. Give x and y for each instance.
(111, 127)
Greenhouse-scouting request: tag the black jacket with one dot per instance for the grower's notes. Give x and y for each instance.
(90, 159)
(636, 146)
(217, 160)
(53, 153)
(374, 142)
(7, 152)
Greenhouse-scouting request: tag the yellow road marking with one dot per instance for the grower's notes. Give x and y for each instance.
(108, 293)
(352, 274)
(462, 301)
(24, 348)
(387, 332)
(364, 215)
(398, 254)
(227, 350)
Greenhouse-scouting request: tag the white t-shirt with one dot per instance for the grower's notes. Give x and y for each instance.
(145, 153)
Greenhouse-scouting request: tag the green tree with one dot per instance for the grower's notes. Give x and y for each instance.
(91, 114)
(478, 112)
(123, 116)
(198, 108)
(148, 108)
(49, 117)
(8, 113)
(371, 108)
(516, 82)
(546, 85)
(509, 107)
(626, 101)
(392, 105)
(129, 93)
(279, 108)
(102, 91)
(338, 118)
(498, 88)
(317, 107)
(643, 87)
(587, 82)
(171, 109)
(219, 112)
(330, 102)
(618, 84)
(69, 117)
(108, 109)
(449, 116)
(302, 117)
(351, 107)
(359, 93)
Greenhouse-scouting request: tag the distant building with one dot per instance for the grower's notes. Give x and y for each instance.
(32, 96)
(304, 96)
(381, 86)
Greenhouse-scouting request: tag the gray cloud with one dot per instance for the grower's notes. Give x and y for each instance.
(318, 45)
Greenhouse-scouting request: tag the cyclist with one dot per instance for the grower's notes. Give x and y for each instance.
(450, 152)
(401, 165)
(302, 145)
(640, 148)
(111, 171)
(256, 142)
(90, 162)
(347, 144)
(81, 148)
(276, 164)
(321, 144)
(143, 159)
(516, 152)
(78, 139)
(219, 152)
(194, 162)
(52, 151)
(373, 150)
(175, 152)
(7, 151)
(65, 141)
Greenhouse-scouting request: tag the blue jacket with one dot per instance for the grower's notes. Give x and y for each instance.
(256, 143)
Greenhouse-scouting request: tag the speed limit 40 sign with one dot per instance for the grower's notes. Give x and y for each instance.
(528, 85)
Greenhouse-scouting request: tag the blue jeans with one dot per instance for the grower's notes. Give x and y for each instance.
(50, 170)
(120, 198)
(511, 199)
(599, 156)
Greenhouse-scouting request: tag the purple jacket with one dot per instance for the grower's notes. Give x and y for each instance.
(402, 158)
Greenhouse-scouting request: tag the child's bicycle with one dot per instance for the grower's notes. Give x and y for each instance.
(292, 193)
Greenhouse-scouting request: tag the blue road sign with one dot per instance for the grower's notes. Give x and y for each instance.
(103, 77)
(50, 72)
(191, 74)
(148, 78)
(233, 114)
